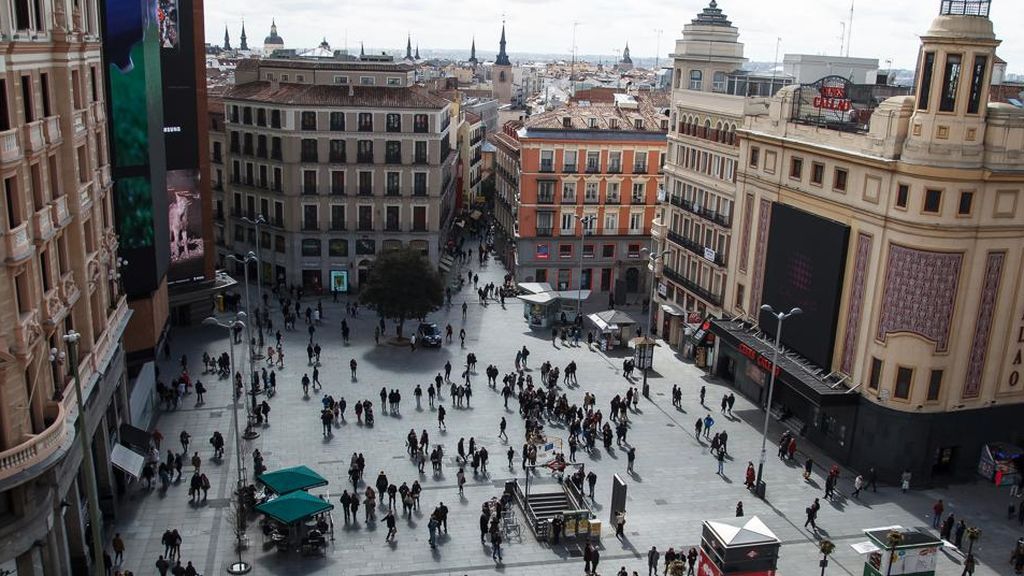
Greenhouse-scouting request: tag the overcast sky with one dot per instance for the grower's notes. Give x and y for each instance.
(882, 29)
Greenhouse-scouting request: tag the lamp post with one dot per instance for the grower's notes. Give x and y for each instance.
(894, 538)
(257, 222)
(241, 566)
(250, 432)
(114, 276)
(56, 360)
(826, 547)
(648, 341)
(92, 494)
(584, 222)
(780, 316)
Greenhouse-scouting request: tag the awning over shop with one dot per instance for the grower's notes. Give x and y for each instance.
(128, 460)
(294, 507)
(446, 263)
(541, 298)
(817, 391)
(535, 287)
(292, 479)
(611, 319)
(673, 310)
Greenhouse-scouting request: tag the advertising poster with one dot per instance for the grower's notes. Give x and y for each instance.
(185, 220)
(339, 281)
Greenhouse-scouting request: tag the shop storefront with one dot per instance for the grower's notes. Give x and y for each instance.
(823, 413)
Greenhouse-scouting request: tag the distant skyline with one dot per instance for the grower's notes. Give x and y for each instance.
(882, 30)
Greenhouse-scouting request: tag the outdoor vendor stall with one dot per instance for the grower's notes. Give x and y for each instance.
(616, 328)
(288, 480)
(297, 520)
(543, 307)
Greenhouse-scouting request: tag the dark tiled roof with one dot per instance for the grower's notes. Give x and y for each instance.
(299, 63)
(322, 95)
(472, 117)
(505, 141)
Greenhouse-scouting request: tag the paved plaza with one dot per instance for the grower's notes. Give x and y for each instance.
(675, 486)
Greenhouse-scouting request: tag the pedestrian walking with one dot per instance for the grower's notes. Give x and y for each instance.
(389, 520)
(501, 427)
(858, 484)
(630, 459)
(118, 545)
(812, 515)
(652, 561)
(937, 510)
(905, 481)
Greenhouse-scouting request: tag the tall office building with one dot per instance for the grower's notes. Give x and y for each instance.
(59, 274)
(342, 158)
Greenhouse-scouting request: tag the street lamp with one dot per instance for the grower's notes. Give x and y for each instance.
(780, 316)
(826, 547)
(584, 221)
(241, 566)
(56, 360)
(894, 538)
(114, 276)
(92, 494)
(648, 355)
(257, 222)
(250, 432)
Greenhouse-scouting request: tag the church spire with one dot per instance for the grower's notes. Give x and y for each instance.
(362, 50)
(472, 51)
(417, 56)
(625, 55)
(243, 45)
(408, 47)
(227, 39)
(502, 58)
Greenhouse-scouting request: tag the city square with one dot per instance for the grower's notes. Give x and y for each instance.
(674, 489)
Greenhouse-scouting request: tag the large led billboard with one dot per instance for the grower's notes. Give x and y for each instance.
(804, 268)
(185, 220)
(135, 108)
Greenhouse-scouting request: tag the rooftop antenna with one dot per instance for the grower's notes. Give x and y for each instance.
(775, 66)
(657, 51)
(842, 38)
(572, 66)
(849, 29)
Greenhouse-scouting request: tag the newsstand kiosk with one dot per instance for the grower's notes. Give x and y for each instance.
(748, 550)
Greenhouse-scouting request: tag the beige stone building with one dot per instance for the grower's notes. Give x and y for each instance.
(58, 274)
(898, 227)
(342, 158)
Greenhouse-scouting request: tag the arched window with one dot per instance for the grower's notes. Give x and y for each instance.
(706, 132)
(696, 79)
(717, 135)
(501, 76)
(718, 84)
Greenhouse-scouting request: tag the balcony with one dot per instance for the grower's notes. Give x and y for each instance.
(696, 248)
(42, 224)
(692, 287)
(593, 168)
(69, 288)
(78, 122)
(52, 307)
(18, 244)
(61, 214)
(85, 195)
(615, 169)
(548, 198)
(544, 232)
(10, 151)
(310, 227)
(36, 448)
(26, 333)
(392, 158)
(710, 215)
(639, 169)
(569, 168)
(364, 158)
(34, 140)
(547, 167)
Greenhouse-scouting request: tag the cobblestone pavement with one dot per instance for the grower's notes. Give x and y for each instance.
(675, 486)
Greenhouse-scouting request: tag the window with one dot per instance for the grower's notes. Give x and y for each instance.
(365, 183)
(420, 153)
(740, 296)
(591, 194)
(614, 162)
(640, 163)
(796, 168)
(337, 248)
(569, 192)
(309, 152)
(275, 148)
(261, 116)
(309, 217)
(569, 161)
(612, 195)
(44, 89)
(367, 80)
(547, 160)
(420, 124)
(309, 120)
(926, 80)
(337, 121)
(419, 218)
(965, 203)
(419, 184)
(718, 82)
(247, 115)
(392, 219)
(876, 374)
(950, 83)
(568, 223)
(565, 250)
(588, 250)
(839, 179)
(309, 181)
(636, 222)
(275, 118)
(394, 81)
(278, 214)
(638, 196)
(26, 98)
(696, 79)
(593, 161)
(337, 182)
(391, 184)
(336, 151)
(611, 223)
(341, 80)
(364, 151)
(365, 122)
(393, 152)
(904, 378)
(934, 385)
(633, 251)
(279, 244)
(365, 218)
(817, 173)
(310, 247)
(932, 201)
(393, 122)
(755, 156)
(608, 251)
(902, 194)
(546, 192)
